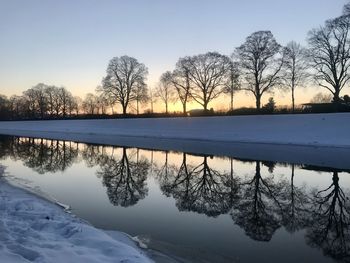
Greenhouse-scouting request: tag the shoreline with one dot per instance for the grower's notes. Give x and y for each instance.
(52, 234)
(320, 130)
(316, 139)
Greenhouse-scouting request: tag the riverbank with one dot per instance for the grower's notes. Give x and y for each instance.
(33, 229)
(303, 129)
(315, 139)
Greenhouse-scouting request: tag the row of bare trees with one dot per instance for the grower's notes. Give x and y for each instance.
(48, 102)
(259, 66)
(43, 101)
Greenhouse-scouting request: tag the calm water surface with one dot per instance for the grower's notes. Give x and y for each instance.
(202, 208)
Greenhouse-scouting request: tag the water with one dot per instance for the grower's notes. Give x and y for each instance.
(198, 207)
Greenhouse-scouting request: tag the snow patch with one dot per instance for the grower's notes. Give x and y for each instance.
(33, 229)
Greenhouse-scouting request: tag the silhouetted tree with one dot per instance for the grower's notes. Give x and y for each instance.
(321, 98)
(89, 104)
(164, 90)
(260, 60)
(270, 106)
(233, 82)
(125, 75)
(65, 97)
(180, 79)
(295, 68)
(152, 98)
(329, 55)
(36, 99)
(17, 106)
(208, 75)
(4, 107)
(330, 225)
(346, 99)
(78, 104)
(51, 97)
(141, 96)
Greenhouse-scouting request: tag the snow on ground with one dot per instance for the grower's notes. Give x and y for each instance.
(35, 230)
(301, 129)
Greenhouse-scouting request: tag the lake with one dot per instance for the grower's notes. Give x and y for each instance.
(200, 208)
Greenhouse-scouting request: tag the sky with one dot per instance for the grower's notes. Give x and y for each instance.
(70, 42)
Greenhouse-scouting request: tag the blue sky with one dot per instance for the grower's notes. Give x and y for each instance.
(69, 42)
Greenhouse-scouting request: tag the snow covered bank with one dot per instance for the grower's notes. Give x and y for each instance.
(311, 129)
(35, 230)
(315, 139)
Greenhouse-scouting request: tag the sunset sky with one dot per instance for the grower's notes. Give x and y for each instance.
(69, 43)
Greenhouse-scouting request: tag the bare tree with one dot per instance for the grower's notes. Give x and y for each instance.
(164, 89)
(89, 104)
(16, 106)
(208, 73)
(152, 98)
(37, 100)
(295, 68)
(141, 96)
(124, 77)
(102, 103)
(180, 79)
(260, 61)
(72, 105)
(233, 82)
(50, 93)
(330, 55)
(79, 104)
(64, 96)
(321, 98)
(4, 107)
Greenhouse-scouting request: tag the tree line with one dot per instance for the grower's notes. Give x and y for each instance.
(259, 66)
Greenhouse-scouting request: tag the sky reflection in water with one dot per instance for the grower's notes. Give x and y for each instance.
(215, 208)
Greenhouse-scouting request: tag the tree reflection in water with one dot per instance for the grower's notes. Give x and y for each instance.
(258, 203)
(329, 228)
(258, 210)
(199, 188)
(296, 205)
(42, 155)
(124, 178)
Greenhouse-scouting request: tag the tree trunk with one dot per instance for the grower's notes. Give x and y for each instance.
(124, 109)
(205, 106)
(258, 102)
(336, 98)
(293, 100)
(184, 109)
(231, 100)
